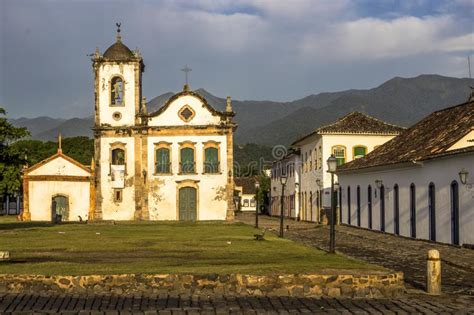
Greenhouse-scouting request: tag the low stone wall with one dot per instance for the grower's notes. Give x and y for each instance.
(314, 285)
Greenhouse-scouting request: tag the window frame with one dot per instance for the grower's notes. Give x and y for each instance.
(359, 146)
(159, 146)
(112, 77)
(208, 145)
(187, 145)
(334, 147)
(112, 147)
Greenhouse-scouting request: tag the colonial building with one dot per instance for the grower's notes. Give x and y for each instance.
(420, 183)
(308, 188)
(58, 188)
(245, 192)
(172, 164)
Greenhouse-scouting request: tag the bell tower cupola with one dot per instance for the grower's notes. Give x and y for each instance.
(118, 85)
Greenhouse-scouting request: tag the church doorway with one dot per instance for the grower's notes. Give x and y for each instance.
(60, 208)
(187, 204)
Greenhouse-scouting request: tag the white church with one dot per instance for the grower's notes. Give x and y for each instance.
(172, 164)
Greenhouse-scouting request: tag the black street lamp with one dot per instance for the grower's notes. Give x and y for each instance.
(332, 166)
(283, 179)
(257, 186)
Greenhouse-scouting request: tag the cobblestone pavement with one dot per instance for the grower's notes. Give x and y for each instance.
(138, 304)
(393, 252)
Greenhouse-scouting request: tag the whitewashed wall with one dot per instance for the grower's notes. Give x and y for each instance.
(441, 172)
(106, 73)
(42, 192)
(162, 198)
(170, 116)
(111, 210)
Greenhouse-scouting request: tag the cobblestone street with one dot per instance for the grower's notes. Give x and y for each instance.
(171, 305)
(394, 252)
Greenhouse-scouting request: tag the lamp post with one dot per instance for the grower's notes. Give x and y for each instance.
(332, 165)
(257, 186)
(463, 174)
(283, 179)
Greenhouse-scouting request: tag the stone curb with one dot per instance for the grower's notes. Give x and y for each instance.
(378, 285)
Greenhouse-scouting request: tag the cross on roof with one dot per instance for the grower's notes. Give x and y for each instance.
(186, 70)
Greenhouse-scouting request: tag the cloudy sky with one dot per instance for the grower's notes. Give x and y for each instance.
(249, 49)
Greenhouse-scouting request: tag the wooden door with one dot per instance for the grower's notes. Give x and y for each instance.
(187, 204)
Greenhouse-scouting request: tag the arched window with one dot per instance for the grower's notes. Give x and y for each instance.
(369, 206)
(211, 158)
(339, 153)
(412, 210)
(163, 161)
(382, 208)
(118, 156)
(432, 210)
(187, 160)
(358, 205)
(455, 213)
(117, 91)
(396, 210)
(349, 205)
(311, 205)
(359, 151)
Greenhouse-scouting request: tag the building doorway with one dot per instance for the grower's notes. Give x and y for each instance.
(455, 213)
(59, 208)
(187, 204)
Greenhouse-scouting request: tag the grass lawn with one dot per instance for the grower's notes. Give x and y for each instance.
(156, 247)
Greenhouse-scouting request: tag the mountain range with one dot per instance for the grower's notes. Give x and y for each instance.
(401, 101)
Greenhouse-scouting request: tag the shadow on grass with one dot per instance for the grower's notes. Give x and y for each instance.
(5, 226)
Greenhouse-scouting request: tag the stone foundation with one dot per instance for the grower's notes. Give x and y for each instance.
(309, 285)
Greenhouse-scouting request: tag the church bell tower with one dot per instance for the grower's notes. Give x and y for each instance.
(118, 93)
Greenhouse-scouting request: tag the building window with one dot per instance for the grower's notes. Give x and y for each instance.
(455, 213)
(211, 158)
(187, 158)
(118, 195)
(186, 113)
(118, 156)
(382, 208)
(349, 205)
(396, 210)
(246, 202)
(252, 202)
(339, 153)
(320, 157)
(432, 210)
(163, 159)
(358, 205)
(117, 91)
(369, 206)
(359, 151)
(412, 210)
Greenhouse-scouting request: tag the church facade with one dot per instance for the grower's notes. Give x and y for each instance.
(172, 164)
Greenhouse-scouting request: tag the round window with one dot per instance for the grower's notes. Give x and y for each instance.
(117, 115)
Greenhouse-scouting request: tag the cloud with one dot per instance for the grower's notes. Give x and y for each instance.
(250, 49)
(373, 38)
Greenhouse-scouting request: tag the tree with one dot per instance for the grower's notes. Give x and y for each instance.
(12, 158)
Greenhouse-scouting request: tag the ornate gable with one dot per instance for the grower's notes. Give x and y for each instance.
(186, 108)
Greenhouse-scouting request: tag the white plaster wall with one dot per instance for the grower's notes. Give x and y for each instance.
(465, 141)
(170, 116)
(349, 141)
(163, 194)
(59, 166)
(441, 172)
(249, 197)
(111, 210)
(106, 72)
(42, 192)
